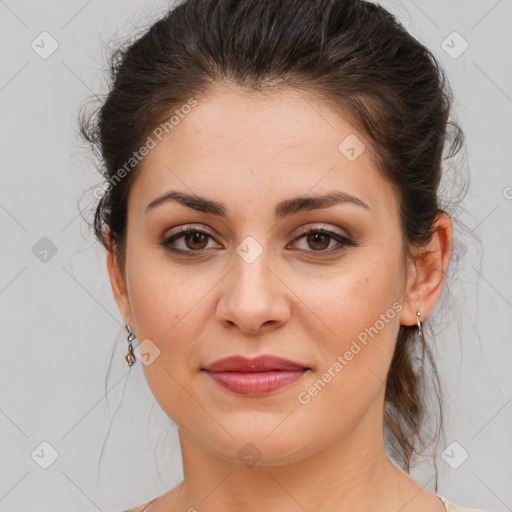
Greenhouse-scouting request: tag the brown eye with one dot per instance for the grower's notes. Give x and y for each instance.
(187, 241)
(319, 240)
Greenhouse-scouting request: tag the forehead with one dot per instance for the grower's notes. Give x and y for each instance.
(261, 147)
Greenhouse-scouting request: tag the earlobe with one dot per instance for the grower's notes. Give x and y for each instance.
(429, 273)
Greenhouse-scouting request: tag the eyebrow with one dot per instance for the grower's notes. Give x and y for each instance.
(282, 209)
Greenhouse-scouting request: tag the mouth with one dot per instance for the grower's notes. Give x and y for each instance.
(258, 376)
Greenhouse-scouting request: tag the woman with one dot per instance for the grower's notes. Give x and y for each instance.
(275, 242)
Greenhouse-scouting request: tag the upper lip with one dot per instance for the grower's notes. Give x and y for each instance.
(257, 364)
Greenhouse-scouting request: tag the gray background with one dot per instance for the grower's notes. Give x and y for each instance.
(60, 325)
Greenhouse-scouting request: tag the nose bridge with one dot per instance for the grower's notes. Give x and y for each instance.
(252, 296)
(252, 275)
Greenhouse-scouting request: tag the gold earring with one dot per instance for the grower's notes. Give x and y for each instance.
(130, 358)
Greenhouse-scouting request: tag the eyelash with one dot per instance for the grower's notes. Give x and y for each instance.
(343, 241)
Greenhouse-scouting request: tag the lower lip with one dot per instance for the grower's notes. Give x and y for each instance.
(256, 383)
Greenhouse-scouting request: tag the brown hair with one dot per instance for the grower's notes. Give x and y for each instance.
(357, 58)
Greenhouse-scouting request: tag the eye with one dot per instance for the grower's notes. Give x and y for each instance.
(320, 238)
(195, 240)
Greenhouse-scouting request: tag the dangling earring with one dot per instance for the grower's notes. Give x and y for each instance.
(130, 358)
(420, 329)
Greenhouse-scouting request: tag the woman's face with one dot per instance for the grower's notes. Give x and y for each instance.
(255, 284)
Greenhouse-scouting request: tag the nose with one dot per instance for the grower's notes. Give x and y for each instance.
(255, 299)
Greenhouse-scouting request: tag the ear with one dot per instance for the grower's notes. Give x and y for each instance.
(427, 273)
(119, 287)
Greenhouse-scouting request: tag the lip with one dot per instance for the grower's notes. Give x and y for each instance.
(257, 376)
(258, 364)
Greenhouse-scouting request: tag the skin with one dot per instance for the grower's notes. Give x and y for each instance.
(250, 151)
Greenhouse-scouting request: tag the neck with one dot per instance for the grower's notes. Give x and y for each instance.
(351, 473)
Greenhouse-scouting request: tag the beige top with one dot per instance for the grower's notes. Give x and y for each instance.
(450, 507)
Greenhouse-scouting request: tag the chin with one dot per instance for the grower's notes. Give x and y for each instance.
(256, 447)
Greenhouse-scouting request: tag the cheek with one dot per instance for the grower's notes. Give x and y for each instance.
(356, 357)
(354, 296)
(170, 307)
(359, 308)
(164, 304)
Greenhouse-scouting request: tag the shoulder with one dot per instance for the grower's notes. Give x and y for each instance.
(139, 508)
(452, 507)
